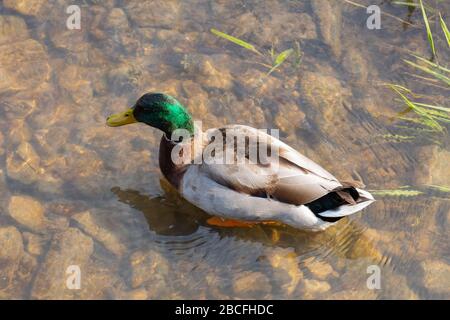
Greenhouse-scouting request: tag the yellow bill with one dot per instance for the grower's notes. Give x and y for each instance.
(121, 119)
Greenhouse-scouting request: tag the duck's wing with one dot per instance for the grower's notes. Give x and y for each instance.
(206, 193)
(291, 177)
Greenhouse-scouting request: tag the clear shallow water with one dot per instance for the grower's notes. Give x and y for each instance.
(75, 192)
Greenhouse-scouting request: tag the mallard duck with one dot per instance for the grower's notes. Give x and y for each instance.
(293, 190)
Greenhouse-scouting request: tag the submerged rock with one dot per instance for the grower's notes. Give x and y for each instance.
(27, 211)
(94, 226)
(437, 276)
(395, 286)
(287, 115)
(355, 64)
(10, 256)
(118, 35)
(73, 79)
(286, 262)
(323, 91)
(448, 219)
(100, 280)
(124, 78)
(26, 7)
(18, 134)
(23, 164)
(284, 25)
(16, 266)
(34, 244)
(320, 269)
(329, 14)
(117, 19)
(353, 295)
(147, 267)
(434, 170)
(251, 285)
(364, 247)
(209, 71)
(16, 108)
(34, 69)
(68, 248)
(157, 14)
(81, 166)
(314, 288)
(137, 294)
(12, 29)
(2, 143)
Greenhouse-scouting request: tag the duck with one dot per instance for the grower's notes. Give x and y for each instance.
(217, 171)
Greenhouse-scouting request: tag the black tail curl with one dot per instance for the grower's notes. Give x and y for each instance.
(331, 201)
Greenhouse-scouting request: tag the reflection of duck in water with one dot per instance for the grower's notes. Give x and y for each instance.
(291, 189)
(171, 215)
(167, 215)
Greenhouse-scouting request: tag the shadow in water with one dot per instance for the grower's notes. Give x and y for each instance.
(172, 216)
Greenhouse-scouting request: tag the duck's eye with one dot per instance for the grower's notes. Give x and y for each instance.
(126, 114)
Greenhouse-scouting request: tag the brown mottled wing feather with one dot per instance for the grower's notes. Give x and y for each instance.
(295, 180)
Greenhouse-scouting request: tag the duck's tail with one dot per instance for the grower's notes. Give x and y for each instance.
(340, 203)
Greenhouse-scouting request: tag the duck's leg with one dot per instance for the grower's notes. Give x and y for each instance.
(231, 223)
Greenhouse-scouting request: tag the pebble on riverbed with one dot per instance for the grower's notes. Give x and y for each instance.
(360, 294)
(157, 14)
(286, 114)
(355, 64)
(329, 14)
(27, 211)
(34, 70)
(18, 267)
(74, 79)
(437, 276)
(23, 164)
(34, 244)
(12, 29)
(320, 269)
(433, 171)
(70, 247)
(26, 7)
(314, 288)
(147, 267)
(251, 285)
(285, 266)
(94, 227)
(10, 255)
(395, 285)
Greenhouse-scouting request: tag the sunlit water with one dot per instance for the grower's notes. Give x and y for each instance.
(75, 192)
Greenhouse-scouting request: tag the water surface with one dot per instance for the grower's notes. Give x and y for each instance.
(75, 192)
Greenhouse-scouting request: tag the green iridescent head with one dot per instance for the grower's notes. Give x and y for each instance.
(158, 110)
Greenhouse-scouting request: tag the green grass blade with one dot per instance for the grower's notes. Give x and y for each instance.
(396, 137)
(445, 109)
(298, 54)
(413, 5)
(436, 74)
(396, 192)
(408, 4)
(427, 26)
(235, 40)
(421, 121)
(398, 87)
(431, 63)
(283, 56)
(440, 188)
(426, 118)
(438, 115)
(445, 29)
(280, 59)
